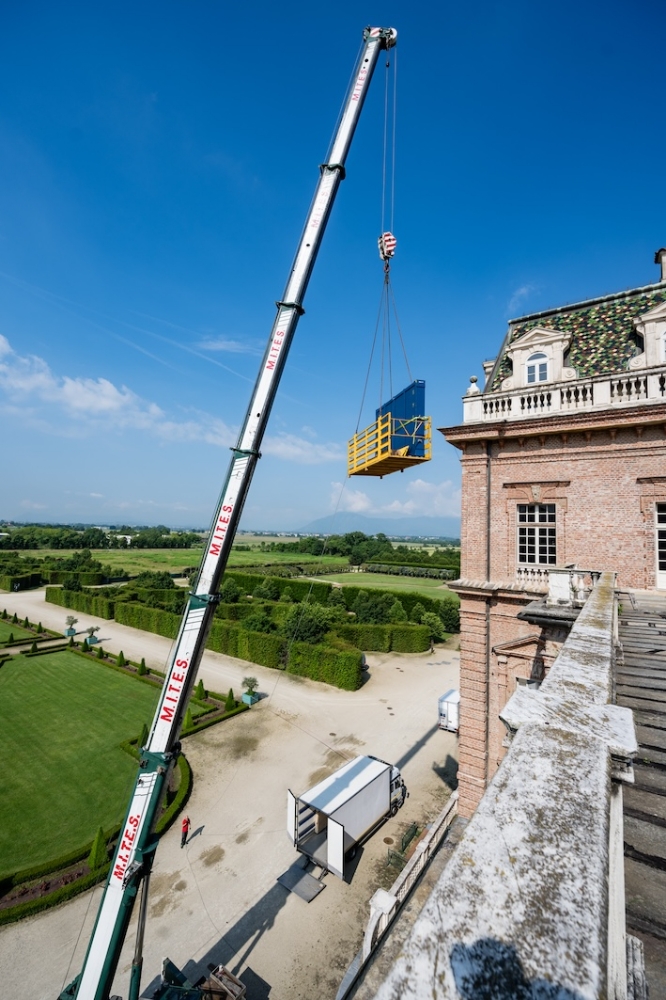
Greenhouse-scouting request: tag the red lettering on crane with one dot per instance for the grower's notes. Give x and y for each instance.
(126, 845)
(167, 714)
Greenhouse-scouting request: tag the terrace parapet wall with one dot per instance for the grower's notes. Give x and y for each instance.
(532, 901)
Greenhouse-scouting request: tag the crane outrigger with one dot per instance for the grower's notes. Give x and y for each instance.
(135, 851)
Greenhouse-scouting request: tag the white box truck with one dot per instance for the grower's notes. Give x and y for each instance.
(449, 711)
(327, 822)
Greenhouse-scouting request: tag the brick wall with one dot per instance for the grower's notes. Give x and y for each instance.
(604, 472)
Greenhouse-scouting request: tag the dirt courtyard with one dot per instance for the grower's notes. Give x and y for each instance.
(218, 899)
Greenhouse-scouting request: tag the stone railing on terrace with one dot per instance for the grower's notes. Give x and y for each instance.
(532, 901)
(543, 400)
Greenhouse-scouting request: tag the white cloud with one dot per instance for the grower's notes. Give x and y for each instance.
(83, 405)
(423, 498)
(90, 403)
(32, 505)
(297, 449)
(355, 501)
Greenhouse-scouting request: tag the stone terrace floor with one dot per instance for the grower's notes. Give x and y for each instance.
(641, 686)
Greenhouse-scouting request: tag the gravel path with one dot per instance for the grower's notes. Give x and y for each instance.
(218, 900)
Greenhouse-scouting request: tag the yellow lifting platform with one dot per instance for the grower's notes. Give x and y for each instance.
(399, 438)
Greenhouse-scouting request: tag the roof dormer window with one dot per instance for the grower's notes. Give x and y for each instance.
(537, 368)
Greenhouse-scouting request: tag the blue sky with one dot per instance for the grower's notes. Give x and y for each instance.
(157, 162)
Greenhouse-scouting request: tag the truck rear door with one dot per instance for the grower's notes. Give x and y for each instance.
(336, 848)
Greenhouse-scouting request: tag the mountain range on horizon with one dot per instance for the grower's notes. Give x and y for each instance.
(346, 521)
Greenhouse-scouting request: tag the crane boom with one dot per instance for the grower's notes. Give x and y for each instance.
(135, 851)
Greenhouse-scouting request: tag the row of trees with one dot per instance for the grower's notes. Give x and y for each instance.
(361, 548)
(36, 536)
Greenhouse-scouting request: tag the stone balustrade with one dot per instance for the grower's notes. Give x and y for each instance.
(625, 389)
(531, 903)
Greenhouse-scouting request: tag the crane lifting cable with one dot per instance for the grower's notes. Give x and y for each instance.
(400, 435)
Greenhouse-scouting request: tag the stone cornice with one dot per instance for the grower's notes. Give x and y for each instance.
(645, 415)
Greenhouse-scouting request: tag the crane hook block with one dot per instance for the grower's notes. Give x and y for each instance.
(387, 244)
(399, 438)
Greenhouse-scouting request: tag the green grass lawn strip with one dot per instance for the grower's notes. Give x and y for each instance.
(62, 719)
(7, 629)
(380, 581)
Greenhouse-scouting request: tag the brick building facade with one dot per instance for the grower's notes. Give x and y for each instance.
(563, 458)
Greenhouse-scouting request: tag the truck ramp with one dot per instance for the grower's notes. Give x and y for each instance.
(300, 882)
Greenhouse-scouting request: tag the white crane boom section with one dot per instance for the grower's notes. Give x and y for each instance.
(136, 846)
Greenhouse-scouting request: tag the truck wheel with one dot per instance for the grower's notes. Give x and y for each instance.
(394, 808)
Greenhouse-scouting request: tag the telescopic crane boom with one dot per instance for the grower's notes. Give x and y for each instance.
(134, 854)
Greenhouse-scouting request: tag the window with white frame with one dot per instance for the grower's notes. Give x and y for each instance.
(537, 368)
(536, 534)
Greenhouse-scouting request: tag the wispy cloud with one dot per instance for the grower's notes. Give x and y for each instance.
(227, 345)
(304, 452)
(80, 407)
(422, 498)
(519, 296)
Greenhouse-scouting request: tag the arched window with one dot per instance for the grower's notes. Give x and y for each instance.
(537, 368)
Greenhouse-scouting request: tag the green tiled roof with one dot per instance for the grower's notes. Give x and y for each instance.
(602, 339)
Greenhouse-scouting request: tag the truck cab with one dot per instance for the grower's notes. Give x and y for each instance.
(398, 790)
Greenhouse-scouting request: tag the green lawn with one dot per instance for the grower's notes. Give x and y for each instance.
(412, 584)
(173, 560)
(6, 628)
(62, 719)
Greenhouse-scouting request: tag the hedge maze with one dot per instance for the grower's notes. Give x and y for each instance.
(308, 628)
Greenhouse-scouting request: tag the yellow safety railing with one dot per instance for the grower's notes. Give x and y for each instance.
(371, 452)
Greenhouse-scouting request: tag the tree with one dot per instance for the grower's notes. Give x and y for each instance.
(26, 623)
(33, 648)
(40, 628)
(120, 659)
(336, 599)
(15, 619)
(434, 624)
(85, 647)
(92, 630)
(418, 612)
(142, 669)
(70, 621)
(10, 637)
(258, 621)
(268, 589)
(201, 692)
(287, 596)
(307, 622)
(100, 653)
(230, 591)
(250, 684)
(397, 613)
(230, 701)
(189, 721)
(99, 854)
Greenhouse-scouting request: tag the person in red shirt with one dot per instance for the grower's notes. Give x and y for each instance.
(184, 830)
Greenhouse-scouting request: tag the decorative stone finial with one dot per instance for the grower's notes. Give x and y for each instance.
(473, 389)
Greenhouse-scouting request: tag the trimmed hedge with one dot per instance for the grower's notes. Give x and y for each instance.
(324, 663)
(61, 576)
(300, 589)
(179, 799)
(267, 649)
(20, 582)
(81, 600)
(21, 910)
(448, 610)
(387, 638)
(155, 620)
(206, 723)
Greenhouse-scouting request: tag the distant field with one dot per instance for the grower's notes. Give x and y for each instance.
(135, 561)
(415, 585)
(6, 628)
(62, 719)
